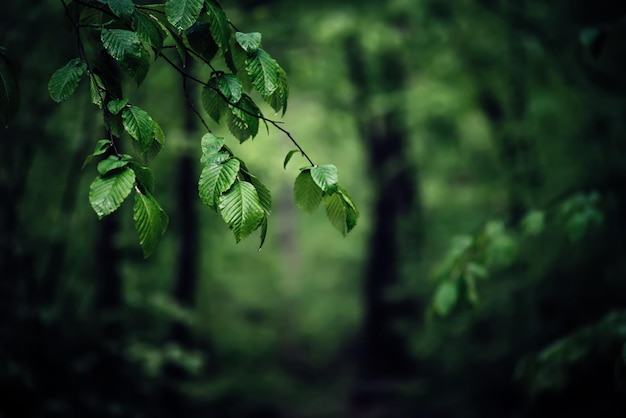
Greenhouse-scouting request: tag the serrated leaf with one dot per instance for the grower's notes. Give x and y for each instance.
(150, 222)
(288, 157)
(212, 150)
(101, 147)
(91, 16)
(211, 144)
(352, 214)
(139, 125)
(241, 210)
(9, 90)
(263, 71)
(236, 60)
(64, 81)
(97, 90)
(149, 31)
(241, 119)
(265, 196)
(336, 212)
(155, 146)
(446, 297)
(115, 106)
(113, 162)
(219, 25)
(144, 177)
(229, 85)
(122, 8)
(200, 40)
(183, 13)
(137, 67)
(159, 16)
(121, 44)
(215, 179)
(213, 103)
(325, 176)
(306, 192)
(278, 99)
(250, 42)
(106, 194)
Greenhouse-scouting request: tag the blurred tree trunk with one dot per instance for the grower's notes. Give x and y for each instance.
(187, 195)
(385, 362)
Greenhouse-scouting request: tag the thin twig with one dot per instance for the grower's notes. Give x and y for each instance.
(83, 55)
(192, 106)
(272, 122)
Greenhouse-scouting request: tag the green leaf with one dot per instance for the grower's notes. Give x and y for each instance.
(122, 8)
(115, 106)
(211, 145)
(183, 13)
(150, 222)
(90, 16)
(265, 199)
(137, 67)
(213, 103)
(250, 42)
(106, 194)
(121, 44)
(263, 71)
(101, 147)
(352, 214)
(325, 176)
(241, 119)
(139, 125)
(113, 162)
(64, 81)
(219, 25)
(278, 99)
(306, 192)
(229, 85)
(97, 89)
(215, 179)
(156, 144)
(339, 213)
(149, 31)
(9, 90)
(288, 157)
(200, 40)
(445, 298)
(236, 60)
(144, 177)
(265, 196)
(263, 232)
(241, 210)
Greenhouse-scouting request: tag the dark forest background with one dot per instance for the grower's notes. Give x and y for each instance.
(485, 145)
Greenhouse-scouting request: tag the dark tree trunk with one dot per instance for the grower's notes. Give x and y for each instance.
(187, 196)
(385, 363)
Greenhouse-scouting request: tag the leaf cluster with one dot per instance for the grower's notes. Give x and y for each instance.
(131, 37)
